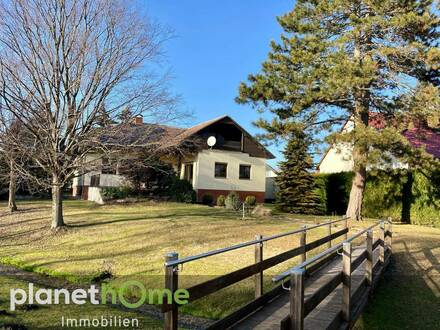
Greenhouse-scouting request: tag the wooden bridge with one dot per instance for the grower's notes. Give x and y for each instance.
(326, 291)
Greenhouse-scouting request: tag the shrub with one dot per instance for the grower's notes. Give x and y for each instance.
(111, 193)
(207, 199)
(232, 201)
(251, 200)
(221, 200)
(180, 191)
(189, 197)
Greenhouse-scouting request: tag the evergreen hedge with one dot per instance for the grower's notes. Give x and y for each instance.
(386, 192)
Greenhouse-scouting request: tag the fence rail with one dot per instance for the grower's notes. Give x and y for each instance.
(172, 263)
(352, 302)
(296, 276)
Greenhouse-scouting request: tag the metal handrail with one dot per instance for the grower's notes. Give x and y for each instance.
(245, 244)
(287, 273)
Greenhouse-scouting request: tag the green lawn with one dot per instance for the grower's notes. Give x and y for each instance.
(409, 295)
(131, 240)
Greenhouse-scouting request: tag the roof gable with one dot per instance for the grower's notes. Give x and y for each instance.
(169, 137)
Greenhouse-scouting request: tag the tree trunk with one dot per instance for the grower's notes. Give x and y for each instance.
(407, 198)
(354, 209)
(12, 189)
(361, 119)
(57, 204)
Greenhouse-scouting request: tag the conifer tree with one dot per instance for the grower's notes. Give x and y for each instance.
(340, 60)
(296, 184)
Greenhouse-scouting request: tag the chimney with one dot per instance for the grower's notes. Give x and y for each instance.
(138, 120)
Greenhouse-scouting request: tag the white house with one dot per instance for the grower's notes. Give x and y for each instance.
(235, 162)
(338, 158)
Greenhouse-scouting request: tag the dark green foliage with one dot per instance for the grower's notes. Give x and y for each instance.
(387, 193)
(111, 193)
(207, 199)
(221, 200)
(180, 190)
(296, 184)
(334, 190)
(233, 201)
(250, 200)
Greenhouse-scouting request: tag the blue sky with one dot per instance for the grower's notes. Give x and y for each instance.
(217, 44)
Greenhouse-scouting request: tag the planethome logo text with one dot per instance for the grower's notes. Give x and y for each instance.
(95, 296)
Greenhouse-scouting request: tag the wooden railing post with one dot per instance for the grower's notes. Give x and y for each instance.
(346, 282)
(297, 299)
(302, 242)
(390, 238)
(369, 262)
(382, 243)
(259, 276)
(346, 226)
(329, 232)
(171, 283)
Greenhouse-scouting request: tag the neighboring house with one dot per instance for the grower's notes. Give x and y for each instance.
(236, 162)
(338, 158)
(271, 187)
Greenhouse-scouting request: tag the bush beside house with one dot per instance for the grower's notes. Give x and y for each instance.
(232, 201)
(207, 199)
(250, 200)
(221, 200)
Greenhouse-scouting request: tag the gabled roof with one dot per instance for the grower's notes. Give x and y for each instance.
(167, 137)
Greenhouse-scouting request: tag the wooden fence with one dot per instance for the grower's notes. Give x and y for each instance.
(352, 302)
(172, 264)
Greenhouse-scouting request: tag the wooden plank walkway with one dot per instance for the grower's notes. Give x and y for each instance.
(326, 315)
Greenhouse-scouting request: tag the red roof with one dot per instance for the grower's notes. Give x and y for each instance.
(419, 136)
(424, 138)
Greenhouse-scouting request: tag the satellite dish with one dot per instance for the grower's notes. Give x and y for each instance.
(211, 141)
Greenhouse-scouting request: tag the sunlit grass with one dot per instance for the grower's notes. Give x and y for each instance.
(134, 238)
(409, 295)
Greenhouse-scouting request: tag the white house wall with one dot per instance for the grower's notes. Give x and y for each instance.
(335, 161)
(204, 168)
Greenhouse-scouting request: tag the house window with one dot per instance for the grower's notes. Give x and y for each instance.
(108, 167)
(245, 172)
(95, 180)
(188, 172)
(220, 170)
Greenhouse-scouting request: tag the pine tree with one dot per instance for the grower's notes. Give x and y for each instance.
(340, 60)
(296, 184)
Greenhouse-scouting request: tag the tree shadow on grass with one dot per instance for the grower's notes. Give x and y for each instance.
(145, 217)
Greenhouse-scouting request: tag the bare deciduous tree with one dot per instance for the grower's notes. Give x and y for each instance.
(64, 62)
